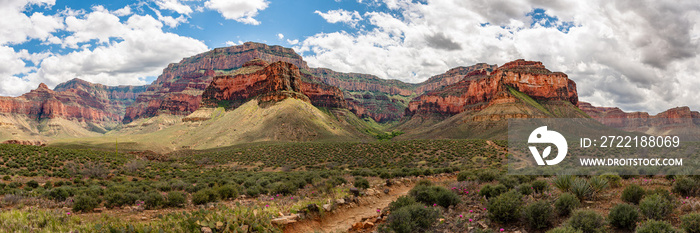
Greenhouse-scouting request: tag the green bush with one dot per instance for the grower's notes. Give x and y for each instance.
(412, 218)
(176, 199)
(487, 175)
(508, 181)
(623, 216)
(654, 226)
(540, 186)
(401, 202)
(691, 223)
(361, 183)
(655, 207)
(490, 191)
(464, 175)
(614, 180)
(227, 192)
(505, 207)
(564, 229)
(153, 200)
(58, 194)
(598, 184)
(633, 194)
(526, 189)
(563, 182)
(434, 195)
(118, 199)
(686, 187)
(538, 214)
(85, 203)
(587, 221)
(204, 196)
(581, 188)
(33, 184)
(566, 203)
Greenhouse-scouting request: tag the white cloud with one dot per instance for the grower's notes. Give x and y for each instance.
(293, 42)
(230, 43)
(239, 10)
(636, 55)
(174, 5)
(108, 51)
(17, 27)
(280, 36)
(123, 11)
(341, 16)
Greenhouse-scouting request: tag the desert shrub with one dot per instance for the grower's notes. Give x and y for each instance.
(587, 221)
(401, 202)
(685, 187)
(581, 188)
(665, 194)
(525, 189)
(227, 192)
(509, 181)
(118, 199)
(58, 194)
(566, 203)
(540, 186)
(464, 176)
(33, 184)
(655, 207)
(85, 203)
(412, 218)
(153, 200)
(632, 194)
(505, 207)
(254, 191)
(490, 191)
(564, 229)
(487, 175)
(176, 199)
(563, 182)
(614, 180)
(361, 183)
(654, 226)
(538, 214)
(48, 185)
(623, 216)
(204, 196)
(434, 195)
(598, 184)
(691, 223)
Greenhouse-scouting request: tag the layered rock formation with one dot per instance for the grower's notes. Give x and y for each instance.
(480, 88)
(273, 82)
(44, 103)
(115, 98)
(178, 90)
(679, 118)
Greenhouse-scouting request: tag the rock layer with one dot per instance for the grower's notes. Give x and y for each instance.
(674, 118)
(480, 87)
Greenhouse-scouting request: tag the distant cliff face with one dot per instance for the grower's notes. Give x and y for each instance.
(273, 82)
(115, 98)
(72, 104)
(479, 88)
(178, 90)
(674, 118)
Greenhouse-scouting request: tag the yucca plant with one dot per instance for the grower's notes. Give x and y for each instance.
(563, 182)
(598, 184)
(581, 188)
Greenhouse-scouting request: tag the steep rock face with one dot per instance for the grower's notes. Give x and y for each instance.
(452, 76)
(184, 82)
(674, 118)
(44, 103)
(479, 88)
(115, 98)
(274, 82)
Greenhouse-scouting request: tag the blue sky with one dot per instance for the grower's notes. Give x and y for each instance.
(638, 56)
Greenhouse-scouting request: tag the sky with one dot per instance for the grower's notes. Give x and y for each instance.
(636, 55)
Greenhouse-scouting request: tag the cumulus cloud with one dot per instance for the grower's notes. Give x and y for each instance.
(280, 36)
(174, 5)
(341, 16)
(242, 11)
(636, 55)
(107, 50)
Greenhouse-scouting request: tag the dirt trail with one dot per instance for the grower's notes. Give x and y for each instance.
(343, 218)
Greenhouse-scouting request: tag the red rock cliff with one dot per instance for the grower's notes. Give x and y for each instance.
(178, 90)
(674, 118)
(480, 87)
